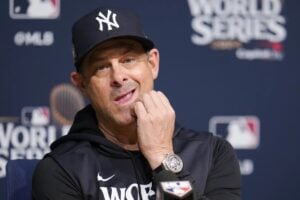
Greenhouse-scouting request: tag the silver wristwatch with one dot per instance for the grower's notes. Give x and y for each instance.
(173, 163)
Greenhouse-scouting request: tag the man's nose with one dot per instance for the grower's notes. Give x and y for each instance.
(118, 75)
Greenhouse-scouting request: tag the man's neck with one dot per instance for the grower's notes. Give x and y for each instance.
(125, 136)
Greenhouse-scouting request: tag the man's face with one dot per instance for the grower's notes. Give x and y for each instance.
(115, 75)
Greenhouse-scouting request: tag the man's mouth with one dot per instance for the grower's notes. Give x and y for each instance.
(125, 98)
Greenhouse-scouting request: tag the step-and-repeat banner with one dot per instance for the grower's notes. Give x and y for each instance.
(227, 66)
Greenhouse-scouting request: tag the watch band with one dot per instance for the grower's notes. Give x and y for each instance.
(158, 169)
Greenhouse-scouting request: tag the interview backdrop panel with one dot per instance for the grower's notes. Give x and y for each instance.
(228, 66)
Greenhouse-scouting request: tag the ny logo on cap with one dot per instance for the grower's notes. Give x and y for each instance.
(106, 19)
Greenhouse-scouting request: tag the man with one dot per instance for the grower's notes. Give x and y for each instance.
(125, 142)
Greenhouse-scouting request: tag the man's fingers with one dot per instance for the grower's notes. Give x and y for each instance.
(165, 100)
(155, 106)
(140, 110)
(149, 104)
(157, 101)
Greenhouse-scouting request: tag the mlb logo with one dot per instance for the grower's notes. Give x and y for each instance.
(34, 9)
(242, 132)
(36, 116)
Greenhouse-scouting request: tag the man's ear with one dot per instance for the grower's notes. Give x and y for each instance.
(153, 59)
(78, 81)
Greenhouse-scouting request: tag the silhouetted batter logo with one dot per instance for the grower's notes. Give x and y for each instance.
(36, 116)
(34, 9)
(243, 132)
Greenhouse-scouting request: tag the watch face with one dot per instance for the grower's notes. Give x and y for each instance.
(173, 163)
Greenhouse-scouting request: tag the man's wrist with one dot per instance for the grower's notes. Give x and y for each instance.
(158, 169)
(156, 159)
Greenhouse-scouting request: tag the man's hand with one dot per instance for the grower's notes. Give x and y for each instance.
(155, 126)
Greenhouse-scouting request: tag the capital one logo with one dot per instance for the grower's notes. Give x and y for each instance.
(34, 9)
(242, 132)
(109, 20)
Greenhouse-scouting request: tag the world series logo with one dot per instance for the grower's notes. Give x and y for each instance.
(255, 29)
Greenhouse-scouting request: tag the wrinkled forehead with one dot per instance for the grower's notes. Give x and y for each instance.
(115, 46)
(111, 48)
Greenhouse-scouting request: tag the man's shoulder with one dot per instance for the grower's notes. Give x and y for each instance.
(183, 133)
(71, 149)
(74, 155)
(201, 137)
(48, 176)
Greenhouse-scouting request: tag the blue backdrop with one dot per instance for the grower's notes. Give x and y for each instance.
(228, 66)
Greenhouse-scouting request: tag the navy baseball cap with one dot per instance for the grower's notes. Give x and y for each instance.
(103, 24)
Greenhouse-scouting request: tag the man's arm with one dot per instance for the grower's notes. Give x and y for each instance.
(155, 124)
(50, 182)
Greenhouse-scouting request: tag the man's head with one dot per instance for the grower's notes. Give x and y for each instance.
(115, 72)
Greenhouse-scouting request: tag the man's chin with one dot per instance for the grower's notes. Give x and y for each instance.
(128, 111)
(127, 118)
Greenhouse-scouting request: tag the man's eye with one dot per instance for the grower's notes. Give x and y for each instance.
(129, 60)
(102, 67)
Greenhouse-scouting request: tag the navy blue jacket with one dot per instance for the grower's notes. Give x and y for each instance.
(85, 165)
